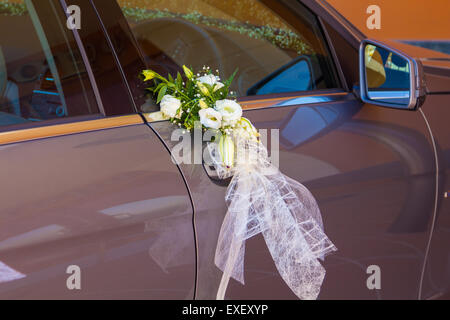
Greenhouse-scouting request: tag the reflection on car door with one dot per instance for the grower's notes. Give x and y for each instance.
(108, 201)
(372, 172)
(371, 169)
(96, 192)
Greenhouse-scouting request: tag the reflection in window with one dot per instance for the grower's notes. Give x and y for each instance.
(42, 76)
(262, 42)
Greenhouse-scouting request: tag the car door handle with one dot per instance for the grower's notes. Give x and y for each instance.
(212, 174)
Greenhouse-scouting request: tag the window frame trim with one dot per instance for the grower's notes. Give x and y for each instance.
(334, 57)
(73, 127)
(86, 62)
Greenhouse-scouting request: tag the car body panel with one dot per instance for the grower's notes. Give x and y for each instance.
(108, 201)
(104, 194)
(371, 169)
(373, 181)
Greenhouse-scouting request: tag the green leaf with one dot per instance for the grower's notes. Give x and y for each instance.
(230, 79)
(170, 78)
(161, 93)
(179, 81)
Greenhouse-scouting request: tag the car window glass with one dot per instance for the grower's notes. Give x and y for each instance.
(275, 49)
(42, 75)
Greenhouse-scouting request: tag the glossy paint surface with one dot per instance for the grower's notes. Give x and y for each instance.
(372, 172)
(110, 202)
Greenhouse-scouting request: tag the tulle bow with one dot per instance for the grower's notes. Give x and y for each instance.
(261, 199)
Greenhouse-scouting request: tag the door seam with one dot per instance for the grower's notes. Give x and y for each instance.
(148, 124)
(433, 221)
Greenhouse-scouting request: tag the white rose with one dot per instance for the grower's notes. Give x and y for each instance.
(231, 111)
(210, 118)
(211, 80)
(170, 105)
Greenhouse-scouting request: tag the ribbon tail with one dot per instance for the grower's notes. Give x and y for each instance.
(234, 261)
(263, 200)
(230, 250)
(295, 238)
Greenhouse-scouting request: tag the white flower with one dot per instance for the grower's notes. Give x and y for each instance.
(230, 110)
(170, 105)
(218, 86)
(156, 116)
(211, 80)
(210, 118)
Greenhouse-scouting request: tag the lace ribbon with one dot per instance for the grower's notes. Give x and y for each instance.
(261, 199)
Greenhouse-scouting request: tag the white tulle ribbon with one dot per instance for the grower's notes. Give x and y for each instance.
(261, 199)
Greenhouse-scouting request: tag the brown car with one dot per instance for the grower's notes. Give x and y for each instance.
(92, 207)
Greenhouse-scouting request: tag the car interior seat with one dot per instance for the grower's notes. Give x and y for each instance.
(9, 91)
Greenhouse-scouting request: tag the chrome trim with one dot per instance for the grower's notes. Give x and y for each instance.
(376, 95)
(86, 62)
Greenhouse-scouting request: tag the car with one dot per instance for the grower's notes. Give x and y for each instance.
(93, 207)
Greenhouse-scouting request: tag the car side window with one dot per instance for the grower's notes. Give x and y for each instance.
(275, 49)
(42, 75)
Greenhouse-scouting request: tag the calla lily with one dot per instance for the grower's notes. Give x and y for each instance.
(203, 89)
(203, 104)
(246, 124)
(149, 75)
(189, 74)
(227, 150)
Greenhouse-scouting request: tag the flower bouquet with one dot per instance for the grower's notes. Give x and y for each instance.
(260, 199)
(205, 99)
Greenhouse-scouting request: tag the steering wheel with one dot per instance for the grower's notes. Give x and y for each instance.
(183, 42)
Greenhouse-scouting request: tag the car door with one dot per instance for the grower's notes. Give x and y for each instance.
(371, 169)
(372, 172)
(92, 206)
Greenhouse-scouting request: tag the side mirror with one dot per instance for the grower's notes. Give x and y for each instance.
(390, 78)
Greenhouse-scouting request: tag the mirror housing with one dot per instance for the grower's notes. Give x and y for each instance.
(390, 78)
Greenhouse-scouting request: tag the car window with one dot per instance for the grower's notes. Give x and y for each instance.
(42, 75)
(275, 49)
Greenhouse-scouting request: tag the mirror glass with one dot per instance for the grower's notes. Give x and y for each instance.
(387, 76)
